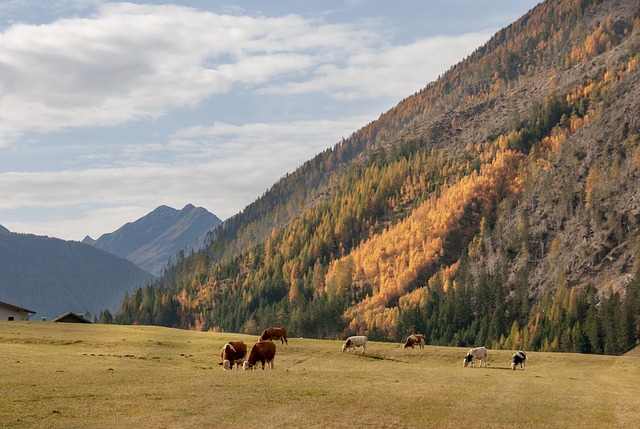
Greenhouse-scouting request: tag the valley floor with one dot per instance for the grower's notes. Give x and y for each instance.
(107, 376)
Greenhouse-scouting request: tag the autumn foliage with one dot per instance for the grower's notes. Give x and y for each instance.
(493, 207)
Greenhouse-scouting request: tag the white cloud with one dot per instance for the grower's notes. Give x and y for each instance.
(222, 167)
(314, 134)
(128, 62)
(393, 71)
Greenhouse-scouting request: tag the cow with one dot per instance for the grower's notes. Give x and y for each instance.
(355, 341)
(414, 340)
(518, 358)
(232, 353)
(274, 334)
(262, 351)
(479, 353)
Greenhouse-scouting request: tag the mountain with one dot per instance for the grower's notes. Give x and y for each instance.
(151, 241)
(4, 230)
(498, 206)
(53, 276)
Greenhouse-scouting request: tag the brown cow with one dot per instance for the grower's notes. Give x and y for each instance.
(414, 340)
(262, 351)
(274, 334)
(232, 353)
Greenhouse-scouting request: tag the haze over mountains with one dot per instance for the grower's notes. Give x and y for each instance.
(151, 241)
(53, 276)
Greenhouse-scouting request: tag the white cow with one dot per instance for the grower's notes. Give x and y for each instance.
(355, 341)
(518, 358)
(473, 355)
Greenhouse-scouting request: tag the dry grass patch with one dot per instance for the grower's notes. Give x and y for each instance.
(62, 375)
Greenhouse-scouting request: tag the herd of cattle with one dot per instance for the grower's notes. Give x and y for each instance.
(264, 351)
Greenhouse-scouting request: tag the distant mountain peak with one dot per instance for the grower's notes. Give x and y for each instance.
(152, 240)
(4, 230)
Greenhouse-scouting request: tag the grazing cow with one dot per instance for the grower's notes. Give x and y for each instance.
(414, 340)
(355, 341)
(518, 358)
(274, 334)
(479, 353)
(232, 353)
(262, 351)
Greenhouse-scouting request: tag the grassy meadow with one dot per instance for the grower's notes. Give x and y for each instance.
(105, 376)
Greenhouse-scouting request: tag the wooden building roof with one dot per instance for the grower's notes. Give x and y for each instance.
(16, 308)
(71, 318)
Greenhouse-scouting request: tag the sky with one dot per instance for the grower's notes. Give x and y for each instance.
(110, 109)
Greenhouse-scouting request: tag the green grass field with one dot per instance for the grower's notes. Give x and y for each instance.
(106, 376)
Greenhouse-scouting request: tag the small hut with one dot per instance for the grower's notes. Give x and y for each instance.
(72, 318)
(12, 313)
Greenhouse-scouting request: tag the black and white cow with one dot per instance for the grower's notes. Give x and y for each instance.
(473, 355)
(518, 358)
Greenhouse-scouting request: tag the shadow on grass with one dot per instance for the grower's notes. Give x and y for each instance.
(377, 357)
(506, 368)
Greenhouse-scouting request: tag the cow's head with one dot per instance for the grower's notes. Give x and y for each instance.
(226, 364)
(466, 360)
(226, 350)
(247, 365)
(346, 344)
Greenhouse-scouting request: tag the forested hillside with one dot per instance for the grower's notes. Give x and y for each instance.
(497, 206)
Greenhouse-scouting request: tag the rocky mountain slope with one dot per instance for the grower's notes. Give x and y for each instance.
(497, 206)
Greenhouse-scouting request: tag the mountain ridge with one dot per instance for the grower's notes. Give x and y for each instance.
(53, 276)
(152, 240)
(505, 192)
